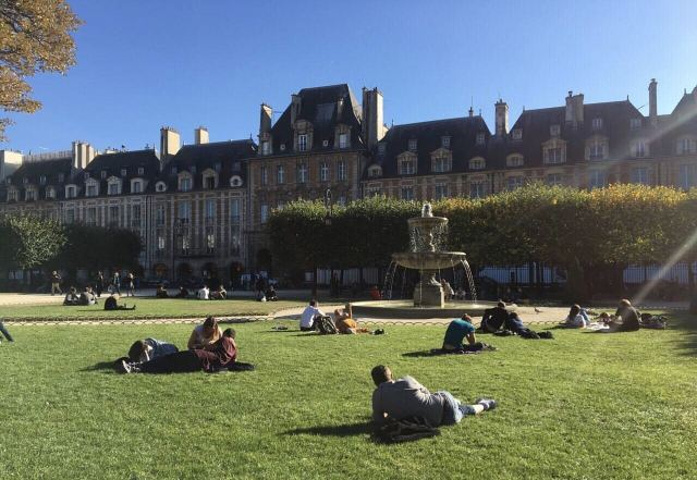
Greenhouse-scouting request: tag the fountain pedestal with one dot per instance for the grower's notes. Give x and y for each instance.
(428, 292)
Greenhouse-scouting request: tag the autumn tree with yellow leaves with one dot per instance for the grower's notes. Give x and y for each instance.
(35, 37)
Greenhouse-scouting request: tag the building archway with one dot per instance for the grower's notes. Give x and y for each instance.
(184, 271)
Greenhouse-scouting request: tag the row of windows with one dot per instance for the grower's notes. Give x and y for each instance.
(124, 172)
(302, 173)
(303, 143)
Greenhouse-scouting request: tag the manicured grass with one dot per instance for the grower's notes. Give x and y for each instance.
(581, 406)
(151, 308)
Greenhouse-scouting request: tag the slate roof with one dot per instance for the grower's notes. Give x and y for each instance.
(226, 158)
(33, 171)
(535, 125)
(428, 135)
(114, 163)
(319, 107)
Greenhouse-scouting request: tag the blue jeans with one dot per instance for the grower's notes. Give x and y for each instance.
(4, 331)
(453, 410)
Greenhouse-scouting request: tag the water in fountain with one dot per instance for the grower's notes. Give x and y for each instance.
(470, 280)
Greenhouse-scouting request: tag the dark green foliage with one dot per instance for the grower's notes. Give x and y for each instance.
(92, 248)
(29, 241)
(576, 230)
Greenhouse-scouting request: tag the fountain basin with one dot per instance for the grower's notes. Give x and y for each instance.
(405, 309)
(428, 260)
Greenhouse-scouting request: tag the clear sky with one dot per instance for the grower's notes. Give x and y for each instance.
(145, 64)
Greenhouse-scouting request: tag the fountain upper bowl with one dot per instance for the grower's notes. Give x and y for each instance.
(428, 260)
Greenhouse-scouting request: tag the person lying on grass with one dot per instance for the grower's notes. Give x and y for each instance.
(405, 398)
(205, 334)
(150, 348)
(578, 318)
(211, 358)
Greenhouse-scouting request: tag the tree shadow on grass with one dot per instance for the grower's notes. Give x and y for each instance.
(687, 324)
(421, 353)
(348, 430)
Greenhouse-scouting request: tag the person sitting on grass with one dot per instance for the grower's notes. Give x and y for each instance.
(88, 297)
(71, 298)
(5, 333)
(111, 304)
(220, 294)
(405, 397)
(161, 292)
(375, 293)
(578, 318)
(626, 318)
(183, 292)
(459, 330)
(204, 293)
(203, 335)
(309, 316)
(150, 348)
(211, 358)
(271, 295)
(494, 318)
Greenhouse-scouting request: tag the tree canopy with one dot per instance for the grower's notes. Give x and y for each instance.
(35, 37)
(29, 241)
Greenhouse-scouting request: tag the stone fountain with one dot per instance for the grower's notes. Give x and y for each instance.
(427, 255)
(426, 234)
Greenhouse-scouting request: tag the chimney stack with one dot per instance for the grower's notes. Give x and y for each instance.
(295, 105)
(265, 119)
(169, 143)
(373, 127)
(83, 154)
(653, 102)
(200, 135)
(574, 109)
(10, 161)
(501, 118)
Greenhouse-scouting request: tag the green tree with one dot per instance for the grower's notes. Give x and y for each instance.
(29, 241)
(35, 37)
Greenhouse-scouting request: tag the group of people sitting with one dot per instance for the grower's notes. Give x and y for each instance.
(87, 297)
(209, 349)
(626, 319)
(313, 319)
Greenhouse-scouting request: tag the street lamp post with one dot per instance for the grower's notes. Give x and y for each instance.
(328, 206)
(176, 232)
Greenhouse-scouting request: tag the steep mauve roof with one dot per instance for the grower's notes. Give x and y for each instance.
(51, 169)
(114, 163)
(428, 135)
(320, 107)
(226, 158)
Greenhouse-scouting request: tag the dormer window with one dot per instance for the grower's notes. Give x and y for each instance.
(640, 148)
(91, 190)
(517, 134)
(218, 166)
(235, 181)
(325, 143)
(30, 195)
(343, 140)
(87, 175)
(283, 147)
(61, 177)
(12, 195)
(137, 186)
(597, 123)
(686, 145)
(477, 163)
(50, 193)
(160, 187)
(103, 174)
(42, 180)
(236, 166)
(412, 145)
(635, 123)
(124, 172)
(185, 184)
(480, 138)
(174, 170)
(266, 148)
(382, 148)
(374, 171)
(210, 179)
(114, 188)
(441, 163)
(141, 171)
(407, 166)
(554, 151)
(597, 148)
(554, 130)
(70, 191)
(302, 142)
(445, 142)
(514, 160)
(193, 169)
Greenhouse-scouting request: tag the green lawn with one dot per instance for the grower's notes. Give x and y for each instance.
(152, 308)
(582, 406)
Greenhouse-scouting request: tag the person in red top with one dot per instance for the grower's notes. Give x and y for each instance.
(210, 358)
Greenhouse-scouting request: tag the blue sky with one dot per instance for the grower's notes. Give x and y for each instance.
(145, 64)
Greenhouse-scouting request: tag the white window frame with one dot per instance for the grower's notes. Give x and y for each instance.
(407, 192)
(341, 171)
(477, 163)
(640, 175)
(407, 166)
(514, 182)
(302, 142)
(280, 175)
(303, 173)
(343, 140)
(324, 172)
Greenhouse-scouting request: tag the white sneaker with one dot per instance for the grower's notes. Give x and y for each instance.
(487, 403)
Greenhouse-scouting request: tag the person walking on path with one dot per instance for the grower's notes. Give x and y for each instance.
(99, 283)
(116, 282)
(5, 333)
(130, 284)
(56, 283)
